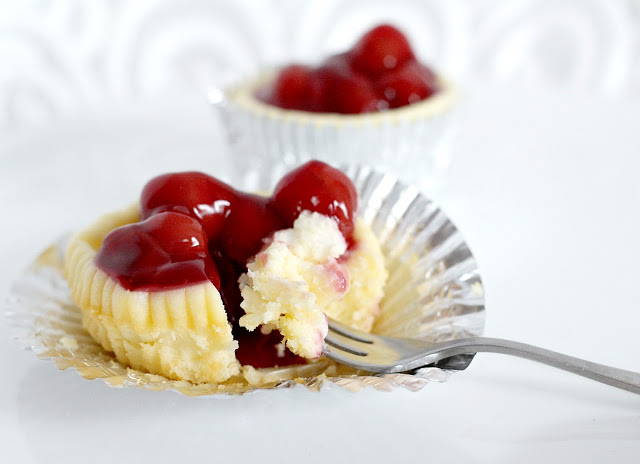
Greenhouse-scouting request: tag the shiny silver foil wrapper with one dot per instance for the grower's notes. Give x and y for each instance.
(434, 292)
(267, 141)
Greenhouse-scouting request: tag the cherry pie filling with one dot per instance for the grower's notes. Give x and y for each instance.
(379, 72)
(195, 228)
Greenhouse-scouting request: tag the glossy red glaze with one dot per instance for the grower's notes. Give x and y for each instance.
(408, 84)
(196, 228)
(298, 88)
(202, 197)
(346, 92)
(364, 79)
(316, 186)
(259, 350)
(167, 250)
(382, 49)
(251, 220)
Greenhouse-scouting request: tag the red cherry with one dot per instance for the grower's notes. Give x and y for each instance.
(251, 220)
(316, 186)
(179, 235)
(165, 251)
(346, 92)
(259, 350)
(408, 84)
(339, 63)
(380, 50)
(297, 88)
(378, 73)
(193, 193)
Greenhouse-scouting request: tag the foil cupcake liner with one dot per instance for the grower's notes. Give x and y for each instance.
(434, 292)
(418, 136)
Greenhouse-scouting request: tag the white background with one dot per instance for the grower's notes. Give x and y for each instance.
(96, 98)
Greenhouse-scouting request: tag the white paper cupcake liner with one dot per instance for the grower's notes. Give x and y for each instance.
(434, 292)
(413, 142)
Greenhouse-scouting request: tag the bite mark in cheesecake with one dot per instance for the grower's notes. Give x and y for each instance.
(289, 284)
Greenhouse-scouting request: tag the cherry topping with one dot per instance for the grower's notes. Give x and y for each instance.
(200, 196)
(298, 88)
(167, 250)
(380, 50)
(346, 92)
(196, 228)
(261, 350)
(408, 84)
(316, 186)
(378, 73)
(251, 220)
(339, 63)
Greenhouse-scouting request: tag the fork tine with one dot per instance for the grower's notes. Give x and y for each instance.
(342, 343)
(343, 357)
(361, 350)
(339, 353)
(352, 334)
(351, 352)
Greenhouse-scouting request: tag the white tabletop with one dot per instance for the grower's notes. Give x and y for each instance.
(544, 187)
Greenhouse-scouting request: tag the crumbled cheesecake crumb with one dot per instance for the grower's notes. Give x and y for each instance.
(69, 343)
(290, 282)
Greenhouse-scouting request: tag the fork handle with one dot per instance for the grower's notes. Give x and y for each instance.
(619, 378)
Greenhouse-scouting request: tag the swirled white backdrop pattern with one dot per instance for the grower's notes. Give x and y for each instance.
(57, 56)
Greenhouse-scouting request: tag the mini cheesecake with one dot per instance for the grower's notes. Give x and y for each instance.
(200, 279)
(373, 104)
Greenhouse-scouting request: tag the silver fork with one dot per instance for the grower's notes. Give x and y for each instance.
(378, 354)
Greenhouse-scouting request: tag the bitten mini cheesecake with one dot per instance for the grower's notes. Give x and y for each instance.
(200, 279)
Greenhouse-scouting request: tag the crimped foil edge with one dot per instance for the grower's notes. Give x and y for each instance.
(267, 141)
